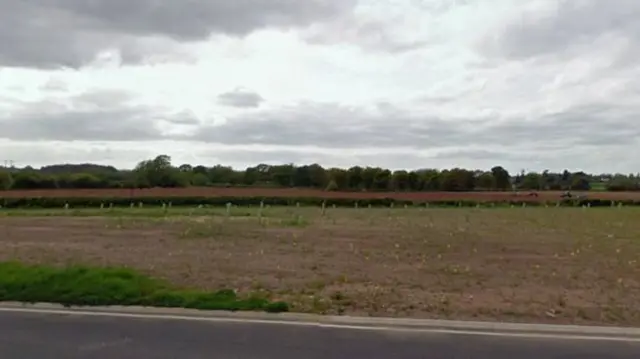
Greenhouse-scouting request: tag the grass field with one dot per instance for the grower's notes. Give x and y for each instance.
(558, 265)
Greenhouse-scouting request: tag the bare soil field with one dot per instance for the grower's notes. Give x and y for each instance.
(300, 192)
(554, 265)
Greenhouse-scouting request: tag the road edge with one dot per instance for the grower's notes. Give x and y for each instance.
(347, 322)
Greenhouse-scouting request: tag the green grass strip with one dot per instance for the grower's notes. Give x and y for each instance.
(98, 286)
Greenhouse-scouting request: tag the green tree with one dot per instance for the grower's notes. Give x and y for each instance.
(85, 180)
(340, 177)
(200, 169)
(580, 183)
(332, 186)
(30, 179)
(318, 175)
(382, 180)
(486, 181)
(200, 180)
(430, 180)
(369, 175)
(6, 180)
(355, 178)
(159, 172)
(501, 177)
(400, 181)
(415, 182)
(283, 175)
(457, 179)
(225, 175)
(531, 181)
(310, 176)
(621, 183)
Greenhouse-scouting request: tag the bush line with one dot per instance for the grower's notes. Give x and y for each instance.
(97, 202)
(101, 286)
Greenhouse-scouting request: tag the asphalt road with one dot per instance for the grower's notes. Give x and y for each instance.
(52, 336)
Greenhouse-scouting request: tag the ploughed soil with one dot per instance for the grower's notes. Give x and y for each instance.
(315, 193)
(554, 265)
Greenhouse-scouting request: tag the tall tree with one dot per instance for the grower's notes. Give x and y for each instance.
(6, 180)
(159, 172)
(502, 178)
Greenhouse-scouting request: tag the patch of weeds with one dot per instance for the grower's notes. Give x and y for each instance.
(121, 222)
(338, 296)
(295, 221)
(86, 286)
(562, 301)
(613, 313)
(208, 228)
(455, 269)
(583, 314)
(201, 231)
(340, 301)
(320, 305)
(258, 286)
(317, 285)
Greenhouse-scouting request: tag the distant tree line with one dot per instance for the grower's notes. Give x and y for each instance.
(160, 172)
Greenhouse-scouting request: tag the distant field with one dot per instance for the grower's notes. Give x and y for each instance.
(297, 192)
(555, 265)
(598, 186)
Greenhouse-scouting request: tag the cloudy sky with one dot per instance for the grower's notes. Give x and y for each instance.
(527, 84)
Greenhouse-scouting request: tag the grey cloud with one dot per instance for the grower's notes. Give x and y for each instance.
(198, 18)
(113, 116)
(102, 99)
(240, 98)
(334, 126)
(476, 154)
(376, 31)
(104, 115)
(437, 100)
(248, 157)
(55, 85)
(598, 136)
(79, 125)
(586, 125)
(8, 102)
(182, 118)
(574, 23)
(371, 35)
(51, 33)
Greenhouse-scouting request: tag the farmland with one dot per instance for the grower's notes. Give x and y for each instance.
(482, 196)
(554, 265)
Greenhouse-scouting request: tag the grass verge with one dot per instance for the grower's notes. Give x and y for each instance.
(93, 286)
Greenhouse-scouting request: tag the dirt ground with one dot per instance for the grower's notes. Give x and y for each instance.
(554, 265)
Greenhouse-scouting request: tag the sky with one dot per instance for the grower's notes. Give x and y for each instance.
(402, 84)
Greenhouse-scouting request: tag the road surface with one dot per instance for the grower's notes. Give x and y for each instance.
(64, 336)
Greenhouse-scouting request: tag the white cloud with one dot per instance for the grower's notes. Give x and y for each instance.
(397, 83)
